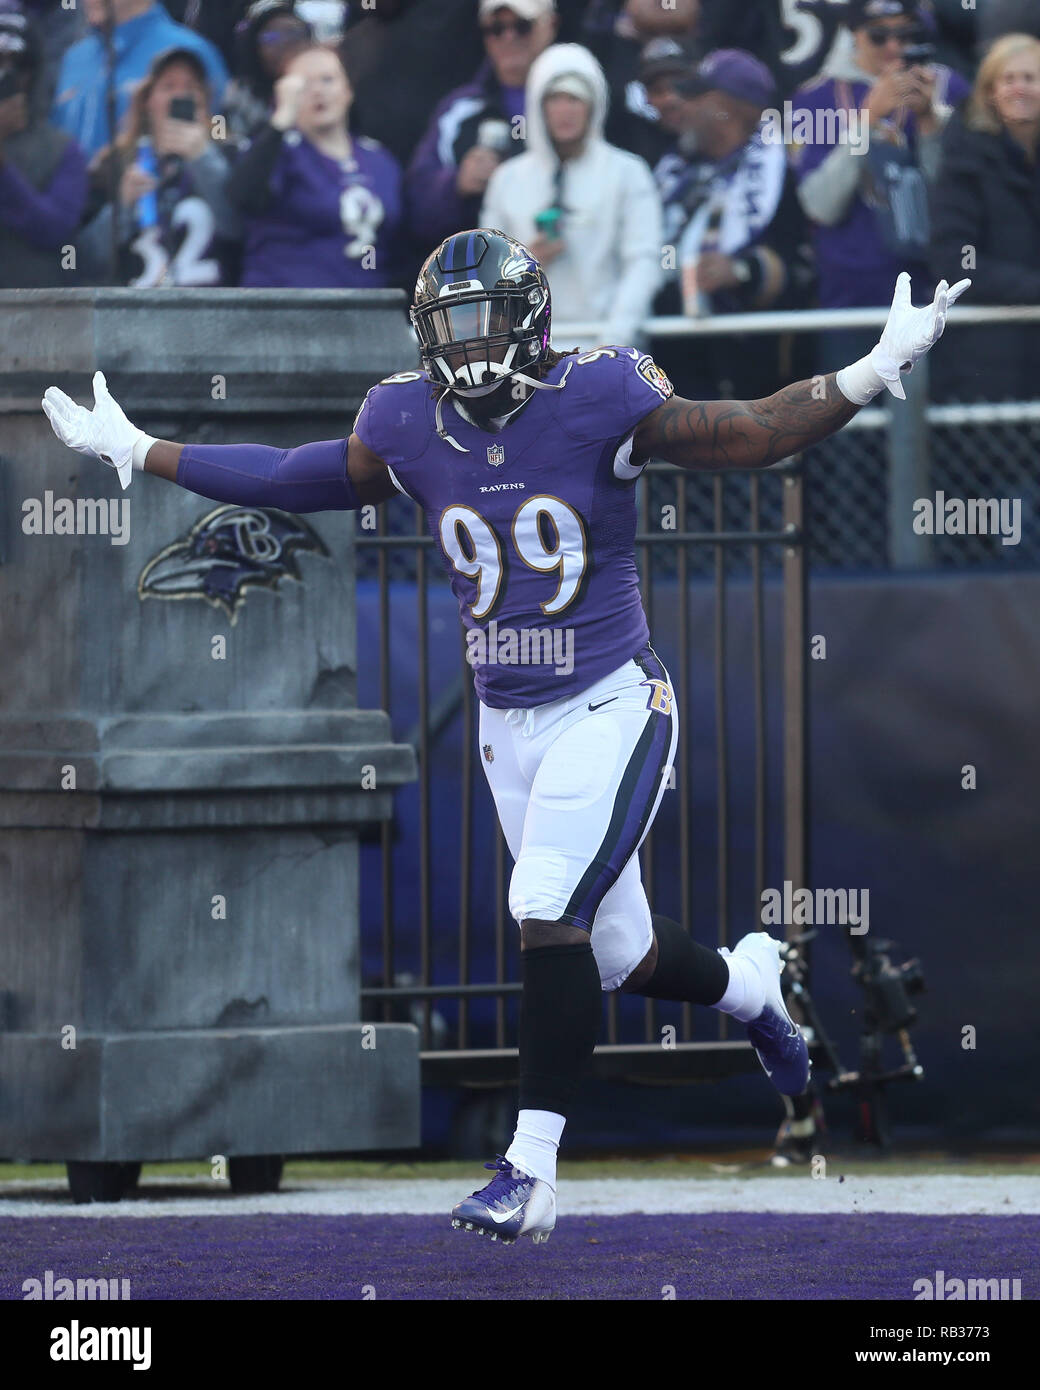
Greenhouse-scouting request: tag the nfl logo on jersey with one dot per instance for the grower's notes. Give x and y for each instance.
(496, 455)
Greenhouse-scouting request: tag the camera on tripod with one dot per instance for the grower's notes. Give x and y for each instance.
(888, 987)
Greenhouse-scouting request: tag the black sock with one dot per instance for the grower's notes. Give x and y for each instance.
(560, 1013)
(686, 971)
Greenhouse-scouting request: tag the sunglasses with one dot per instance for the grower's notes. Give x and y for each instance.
(879, 37)
(520, 27)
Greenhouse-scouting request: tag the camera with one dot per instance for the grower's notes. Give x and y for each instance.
(182, 109)
(888, 988)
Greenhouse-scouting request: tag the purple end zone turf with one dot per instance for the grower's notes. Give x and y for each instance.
(729, 1255)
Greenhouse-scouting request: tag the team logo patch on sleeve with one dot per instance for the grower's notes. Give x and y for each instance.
(654, 377)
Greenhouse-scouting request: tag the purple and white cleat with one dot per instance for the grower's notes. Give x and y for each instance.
(774, 1035)
(513, 1204)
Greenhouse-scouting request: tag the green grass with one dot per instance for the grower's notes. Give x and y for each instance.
(691, 1168)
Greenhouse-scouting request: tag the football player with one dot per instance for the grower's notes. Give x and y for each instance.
(524, 460)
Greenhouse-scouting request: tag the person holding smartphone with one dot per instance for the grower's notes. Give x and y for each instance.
(175, 223)
(43, 173)
(863, 183)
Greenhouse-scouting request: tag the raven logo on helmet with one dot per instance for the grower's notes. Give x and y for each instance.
(519, 265)
(481, 311)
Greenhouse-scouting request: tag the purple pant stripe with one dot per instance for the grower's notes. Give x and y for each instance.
(633, 806)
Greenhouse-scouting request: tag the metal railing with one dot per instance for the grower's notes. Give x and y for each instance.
(798, 321)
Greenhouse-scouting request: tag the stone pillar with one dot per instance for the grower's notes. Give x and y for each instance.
(183, 770)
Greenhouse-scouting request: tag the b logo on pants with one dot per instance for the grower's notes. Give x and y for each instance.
(660, 697)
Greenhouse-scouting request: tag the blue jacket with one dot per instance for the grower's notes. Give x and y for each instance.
(79, 102)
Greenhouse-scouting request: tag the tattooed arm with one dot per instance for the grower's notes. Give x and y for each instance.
(743, 434)
(754, 434)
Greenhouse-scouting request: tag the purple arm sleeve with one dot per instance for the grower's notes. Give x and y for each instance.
(311, 478)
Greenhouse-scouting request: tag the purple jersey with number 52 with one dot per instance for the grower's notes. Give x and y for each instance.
(536, 523)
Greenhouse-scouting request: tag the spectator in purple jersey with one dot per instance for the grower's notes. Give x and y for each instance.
(476, 127)
(176, 225)
(863, 178)
(901, 107)
(43, 173)
(269, 37)
(323, 208)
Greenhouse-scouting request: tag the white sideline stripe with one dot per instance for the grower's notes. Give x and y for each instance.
(783, 1192)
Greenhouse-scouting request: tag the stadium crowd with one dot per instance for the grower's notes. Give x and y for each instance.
(694, 157)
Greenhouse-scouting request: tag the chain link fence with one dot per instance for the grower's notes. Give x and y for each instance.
(865, 483)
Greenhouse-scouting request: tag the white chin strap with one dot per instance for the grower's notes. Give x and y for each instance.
(530, 381)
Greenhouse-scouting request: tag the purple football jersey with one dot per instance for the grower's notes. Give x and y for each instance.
(331, 225)
(536, 523)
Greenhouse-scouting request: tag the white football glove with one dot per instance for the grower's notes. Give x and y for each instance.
(104, 431)
(908, 335)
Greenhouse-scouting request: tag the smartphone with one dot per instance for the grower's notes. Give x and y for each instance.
(918, 55)
(182, 109)
(9, 84)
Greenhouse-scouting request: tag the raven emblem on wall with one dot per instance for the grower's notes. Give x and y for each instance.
(228, 552)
